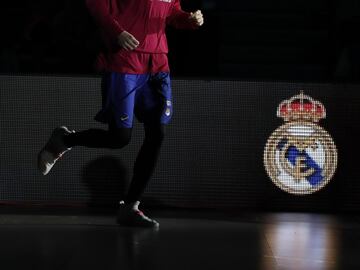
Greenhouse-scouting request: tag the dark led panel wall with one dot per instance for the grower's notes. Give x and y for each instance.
(231, 145)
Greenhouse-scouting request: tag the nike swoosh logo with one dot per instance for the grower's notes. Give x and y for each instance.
(123, 118)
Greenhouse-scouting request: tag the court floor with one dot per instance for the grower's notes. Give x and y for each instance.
(185, 240)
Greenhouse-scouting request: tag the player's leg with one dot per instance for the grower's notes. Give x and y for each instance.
(154, 108)
(145, 162)
(113, 138)
(62, 140)
(118, 106)
(129, 213)
(118, 99)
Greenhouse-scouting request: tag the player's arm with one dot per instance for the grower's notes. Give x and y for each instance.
(185, 20)
(99, 10)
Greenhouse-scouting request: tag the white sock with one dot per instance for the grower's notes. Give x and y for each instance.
(133, 206)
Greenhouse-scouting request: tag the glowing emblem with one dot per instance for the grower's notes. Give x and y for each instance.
(300, 157)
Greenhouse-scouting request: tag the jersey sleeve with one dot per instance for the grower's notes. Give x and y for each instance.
(179, 18)
(99, 10)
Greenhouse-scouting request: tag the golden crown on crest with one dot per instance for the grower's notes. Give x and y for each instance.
(301, 107)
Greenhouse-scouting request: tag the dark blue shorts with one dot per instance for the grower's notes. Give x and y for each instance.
(148, 96)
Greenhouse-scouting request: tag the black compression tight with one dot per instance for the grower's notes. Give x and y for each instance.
(113, 138)
(116, 138)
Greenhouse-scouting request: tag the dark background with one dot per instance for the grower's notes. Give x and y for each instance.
(212, 156)
(302, 40)
(230, 77)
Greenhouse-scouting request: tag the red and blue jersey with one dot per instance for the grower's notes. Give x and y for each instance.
(146, 20)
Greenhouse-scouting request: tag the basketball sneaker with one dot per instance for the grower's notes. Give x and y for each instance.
(54, 149)
(130, 215)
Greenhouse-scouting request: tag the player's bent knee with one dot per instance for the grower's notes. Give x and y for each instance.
(121, 142)
(120, 138)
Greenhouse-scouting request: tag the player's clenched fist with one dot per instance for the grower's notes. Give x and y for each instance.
(127, 41)
(197, 18)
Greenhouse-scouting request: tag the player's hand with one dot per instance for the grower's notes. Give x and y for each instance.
(197, 18)
(127, 41)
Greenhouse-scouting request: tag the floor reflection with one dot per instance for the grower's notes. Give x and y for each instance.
(299, 241)
(136, 248)
(289, 241)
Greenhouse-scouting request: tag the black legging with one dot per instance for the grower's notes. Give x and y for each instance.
(116, 138)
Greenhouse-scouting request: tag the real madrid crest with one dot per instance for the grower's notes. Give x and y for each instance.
(300, 157)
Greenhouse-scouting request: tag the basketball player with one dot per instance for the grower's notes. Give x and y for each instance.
(136, 82)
